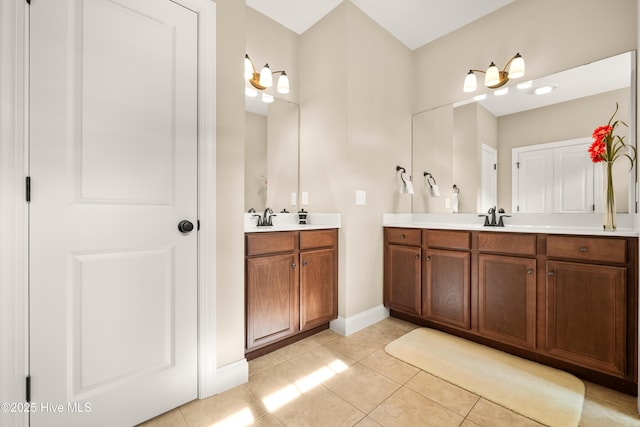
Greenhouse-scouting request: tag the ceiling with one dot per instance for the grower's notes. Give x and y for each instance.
(413, 22)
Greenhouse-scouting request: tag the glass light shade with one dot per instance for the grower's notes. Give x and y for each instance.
(266, 78)
(283, 83)
(493, 75)
(248, 68)
(516, 69)
(267, 98)
(470, 82)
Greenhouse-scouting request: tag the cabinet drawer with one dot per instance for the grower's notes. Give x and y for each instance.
(602, 249)
(507, 243)
(404, 236)
(448, 239)
(270, 243)
(318, 239)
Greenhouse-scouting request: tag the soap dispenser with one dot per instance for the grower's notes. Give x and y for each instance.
(302, 217)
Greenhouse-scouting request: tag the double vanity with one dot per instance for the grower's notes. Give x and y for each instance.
(564, 295)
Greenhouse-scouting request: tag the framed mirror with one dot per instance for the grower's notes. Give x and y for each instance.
(271, 154)
(474, 144)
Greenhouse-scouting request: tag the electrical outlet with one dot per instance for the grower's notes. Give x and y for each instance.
(361, 197)
(294, 199)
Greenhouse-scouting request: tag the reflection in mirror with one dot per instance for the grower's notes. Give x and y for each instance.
(271, 154)
(460, 144)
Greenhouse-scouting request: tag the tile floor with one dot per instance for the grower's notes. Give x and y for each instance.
(331, 380)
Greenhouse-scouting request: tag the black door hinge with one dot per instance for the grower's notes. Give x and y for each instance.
(28, 188)
(198, 225)
(28, 389)
(495, 166)
(28, 1)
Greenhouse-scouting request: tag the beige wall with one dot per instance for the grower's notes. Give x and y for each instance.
(229, 169)
(355, 128)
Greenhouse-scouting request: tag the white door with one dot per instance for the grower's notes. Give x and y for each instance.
(113, 163)
(573, 183)
(489, 179)
(534, 186)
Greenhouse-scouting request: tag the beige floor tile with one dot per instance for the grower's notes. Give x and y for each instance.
(384, 332)
(276, 379)
(170, 419)
(388, 365)
(363, 387)
(488, 414)
(408, 326)
(467, 423)
(264, 362)
(268, 420)
(297, 348)
(319, 408)
(321, 357)
(355, 346)
(448, 395)
(367, 422)
(233, 407)
(408, 408)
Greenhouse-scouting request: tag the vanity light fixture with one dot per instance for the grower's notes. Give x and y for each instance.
(495, 78)
(264, 79)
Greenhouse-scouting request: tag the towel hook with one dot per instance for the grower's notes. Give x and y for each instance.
(400, 168)
(429, 179)
(456, 189)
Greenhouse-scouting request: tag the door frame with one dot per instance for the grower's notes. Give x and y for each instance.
(14, 226)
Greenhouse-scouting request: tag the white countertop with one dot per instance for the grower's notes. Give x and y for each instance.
(578, 224)
(289, 222)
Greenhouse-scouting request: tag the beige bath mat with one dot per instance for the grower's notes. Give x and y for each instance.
(544, 394)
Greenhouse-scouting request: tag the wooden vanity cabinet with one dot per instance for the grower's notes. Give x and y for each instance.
(271, 276)
(318, 277)
(446, 284)
(507, 288)
(587, 297)
(291, 283)
(403, 270)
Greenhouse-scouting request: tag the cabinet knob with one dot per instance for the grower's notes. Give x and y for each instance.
(428, 258)
(530, 271)
(551, 273)
(293, 265)
(417, 256)
(402, 236)
(583, 249)
(304, 262)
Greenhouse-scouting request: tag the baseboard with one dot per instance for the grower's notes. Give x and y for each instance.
(231, 375)
(347, 326)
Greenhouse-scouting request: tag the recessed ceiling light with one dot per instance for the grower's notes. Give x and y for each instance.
(480, 97)
(525, 85)
(543, 90)
(500, 92)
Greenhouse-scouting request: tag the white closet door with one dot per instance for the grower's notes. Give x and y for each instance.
(534, 182)
(113, 282)
(573, 184)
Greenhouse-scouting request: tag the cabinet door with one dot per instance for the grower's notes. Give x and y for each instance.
(272, 299)
(402, 278)
(318, 287)
(586, 314)
(447, 287)
(507, 299)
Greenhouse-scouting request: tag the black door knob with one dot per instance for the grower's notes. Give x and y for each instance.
(185, 226)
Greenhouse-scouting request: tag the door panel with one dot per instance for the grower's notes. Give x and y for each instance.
(113, 161)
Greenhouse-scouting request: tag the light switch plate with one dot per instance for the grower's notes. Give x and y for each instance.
(361, 197)
(294, 199)
(305, 198)
(447, 203)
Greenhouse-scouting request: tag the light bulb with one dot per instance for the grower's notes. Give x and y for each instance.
(516, 69)
(492, 77)
(470, 82)
(266, 78)
(248, 68)
(283, 83)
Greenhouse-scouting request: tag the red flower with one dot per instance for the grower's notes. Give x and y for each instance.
(596, 150)
(601, 132)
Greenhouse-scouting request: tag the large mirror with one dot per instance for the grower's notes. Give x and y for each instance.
(271, 154)
(525, 152)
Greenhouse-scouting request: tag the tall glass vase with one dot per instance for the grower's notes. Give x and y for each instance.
(609, 220)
